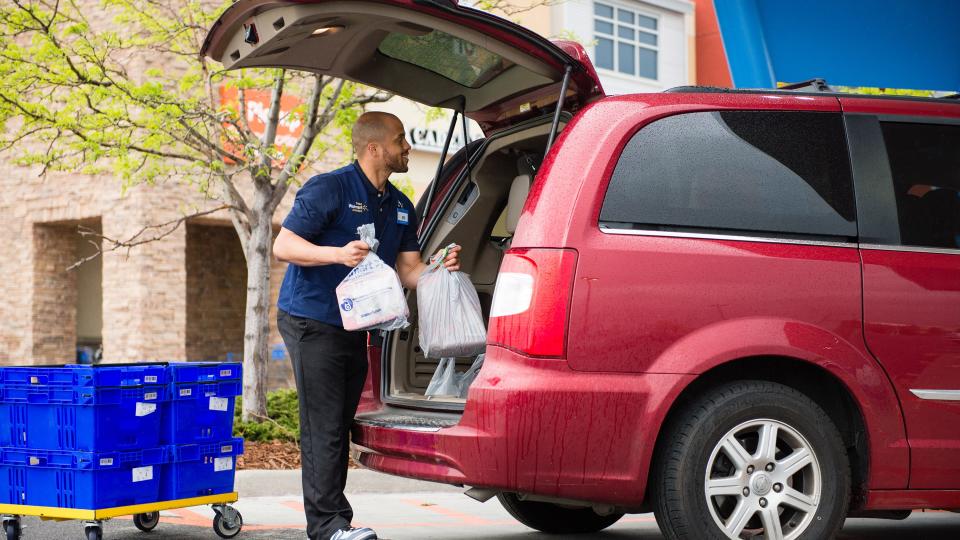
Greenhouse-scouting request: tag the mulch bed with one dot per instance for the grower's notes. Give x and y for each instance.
(273, 455)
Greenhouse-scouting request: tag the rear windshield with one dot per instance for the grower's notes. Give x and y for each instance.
(460, 61)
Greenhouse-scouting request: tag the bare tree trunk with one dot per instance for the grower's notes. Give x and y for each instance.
(257, 327)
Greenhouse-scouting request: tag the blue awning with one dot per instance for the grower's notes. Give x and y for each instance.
(881, 43)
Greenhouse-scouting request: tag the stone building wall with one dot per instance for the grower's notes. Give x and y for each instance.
(53, 311)
(216, 283)
(148, 291)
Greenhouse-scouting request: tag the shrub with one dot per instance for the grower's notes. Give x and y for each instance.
(283, 423)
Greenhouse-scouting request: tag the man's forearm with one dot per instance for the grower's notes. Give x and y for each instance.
(293, 249)
(313, 256)
(410, 275)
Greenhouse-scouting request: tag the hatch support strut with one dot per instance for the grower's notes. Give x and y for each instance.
(436, 179)
(556, 113)
(466, 140)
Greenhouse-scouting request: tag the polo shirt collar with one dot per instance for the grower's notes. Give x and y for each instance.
(368, 185)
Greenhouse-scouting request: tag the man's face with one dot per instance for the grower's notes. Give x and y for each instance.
(395, 152)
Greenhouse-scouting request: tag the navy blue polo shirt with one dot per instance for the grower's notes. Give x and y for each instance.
(327, 211)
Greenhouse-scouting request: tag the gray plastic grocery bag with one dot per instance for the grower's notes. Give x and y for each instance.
(451, 324)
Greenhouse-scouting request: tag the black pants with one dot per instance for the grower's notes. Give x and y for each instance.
(330, 366)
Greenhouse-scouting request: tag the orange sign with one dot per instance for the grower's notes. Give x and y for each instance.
(258, 109)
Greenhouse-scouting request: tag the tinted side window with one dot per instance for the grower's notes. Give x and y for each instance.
(925, 163)
(744, 172)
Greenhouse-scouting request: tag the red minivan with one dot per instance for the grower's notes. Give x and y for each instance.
(738, 309)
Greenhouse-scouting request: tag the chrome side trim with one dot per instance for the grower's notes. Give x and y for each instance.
(914, 249)
(404, 427)
(709, 236)
(937, 395)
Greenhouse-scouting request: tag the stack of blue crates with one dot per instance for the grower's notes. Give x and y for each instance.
(198, 429)
(92, 437)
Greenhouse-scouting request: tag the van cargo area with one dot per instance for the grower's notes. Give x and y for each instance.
(474, 214)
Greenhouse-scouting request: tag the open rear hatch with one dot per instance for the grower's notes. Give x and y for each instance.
(505, 77)
(436, 53)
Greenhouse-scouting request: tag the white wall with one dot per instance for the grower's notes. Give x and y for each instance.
(675, 18)
(425, 153)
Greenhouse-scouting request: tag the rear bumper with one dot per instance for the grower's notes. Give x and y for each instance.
(536, 426)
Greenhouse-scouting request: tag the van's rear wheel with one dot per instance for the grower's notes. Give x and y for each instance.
(751, 459)
(554, 518)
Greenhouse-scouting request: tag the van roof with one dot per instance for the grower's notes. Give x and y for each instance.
(953, 99)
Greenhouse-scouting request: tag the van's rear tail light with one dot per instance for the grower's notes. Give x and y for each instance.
(531, 301)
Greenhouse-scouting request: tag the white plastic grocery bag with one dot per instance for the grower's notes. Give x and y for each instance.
(445, 381)
(371, 296)
(451, 324)
(467, 378)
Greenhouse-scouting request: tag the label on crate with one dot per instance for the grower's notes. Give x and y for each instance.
(186, 392)
(149, 378)
(149, 396)
(34, 380)
(106, 462)
(226, 372)
(34, 460)
(226, 449)
(142, 474)
(223, 464)
(218, 404)
(144, 409)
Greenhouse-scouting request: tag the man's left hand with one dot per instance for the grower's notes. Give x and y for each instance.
(452, 261)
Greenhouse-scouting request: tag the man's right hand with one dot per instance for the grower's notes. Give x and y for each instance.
(354, 252)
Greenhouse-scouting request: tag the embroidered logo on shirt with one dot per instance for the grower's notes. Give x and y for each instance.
(358, 207)
(403, 218)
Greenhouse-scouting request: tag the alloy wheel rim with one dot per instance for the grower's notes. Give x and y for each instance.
(763, 481)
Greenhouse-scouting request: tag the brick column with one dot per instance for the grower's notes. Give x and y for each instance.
(54, 310)
(144, 291)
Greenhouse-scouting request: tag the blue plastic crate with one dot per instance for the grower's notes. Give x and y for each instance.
(203, 372)
(196, 470)
(200, 413)
(80, 480)
(85, 375)
(84, 418)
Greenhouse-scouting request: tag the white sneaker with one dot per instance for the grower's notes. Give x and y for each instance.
(350, 533)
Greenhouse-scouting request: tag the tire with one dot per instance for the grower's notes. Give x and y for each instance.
(147, 521)
(94, 533)
(12, 528)
(224, 530)
(555, 519)
(802, 492)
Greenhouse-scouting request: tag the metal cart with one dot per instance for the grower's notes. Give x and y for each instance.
(227, 522)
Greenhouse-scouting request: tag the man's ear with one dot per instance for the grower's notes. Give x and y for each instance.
(373, 149)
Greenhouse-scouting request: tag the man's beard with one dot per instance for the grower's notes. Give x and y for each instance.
(397, 165)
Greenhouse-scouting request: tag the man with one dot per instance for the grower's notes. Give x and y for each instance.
(319, 240)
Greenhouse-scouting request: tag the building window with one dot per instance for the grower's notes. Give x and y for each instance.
(626, 40)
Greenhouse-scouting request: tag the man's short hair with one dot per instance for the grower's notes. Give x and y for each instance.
(370, 127)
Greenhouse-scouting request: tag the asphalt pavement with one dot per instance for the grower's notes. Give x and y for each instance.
(401, 509)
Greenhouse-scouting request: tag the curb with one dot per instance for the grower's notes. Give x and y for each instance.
(275, 483)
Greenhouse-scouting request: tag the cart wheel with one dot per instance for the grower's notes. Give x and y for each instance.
(12, 528)
(228, 522)
(146, 521)
(94, 533)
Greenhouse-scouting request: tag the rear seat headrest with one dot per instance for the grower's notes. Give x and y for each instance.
(518, 197)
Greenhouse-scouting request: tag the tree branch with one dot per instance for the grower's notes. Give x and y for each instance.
(273, 118)
(303, 144)
(166, 230)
